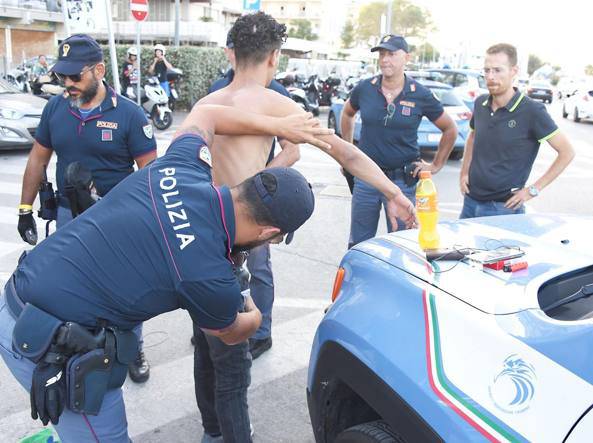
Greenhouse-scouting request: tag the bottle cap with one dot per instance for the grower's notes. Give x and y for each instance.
(425, 174)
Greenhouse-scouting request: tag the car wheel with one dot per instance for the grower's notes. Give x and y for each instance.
(373, 432)
(575, 115)
(564, 113)
(550, 100)
(456, 155)
(331, 121)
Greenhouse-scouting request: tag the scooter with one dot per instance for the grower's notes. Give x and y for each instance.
(18, 77)
(46, 86)
(155, 103)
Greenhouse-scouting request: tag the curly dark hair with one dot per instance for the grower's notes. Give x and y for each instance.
(255, 36)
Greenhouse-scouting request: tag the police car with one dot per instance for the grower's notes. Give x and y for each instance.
(450, 350)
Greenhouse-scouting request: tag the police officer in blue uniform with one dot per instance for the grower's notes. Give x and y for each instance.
(163, 239)
(391, 106)
(90, 124)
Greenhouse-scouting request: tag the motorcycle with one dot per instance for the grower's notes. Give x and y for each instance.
(155, 103)
(19, 78)
(46, 86)
(328, 89)
(174, 77)
(300, 90)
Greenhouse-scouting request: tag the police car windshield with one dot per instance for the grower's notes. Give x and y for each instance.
(7, 88)
(447, 97)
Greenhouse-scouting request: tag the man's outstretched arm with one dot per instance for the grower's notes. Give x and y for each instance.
(357, 163)
(207, 120)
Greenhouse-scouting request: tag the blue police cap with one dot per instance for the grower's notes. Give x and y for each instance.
(76, 52)
(292, 202)
(392, 43)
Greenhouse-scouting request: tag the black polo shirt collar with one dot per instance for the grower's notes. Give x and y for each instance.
(512, 103)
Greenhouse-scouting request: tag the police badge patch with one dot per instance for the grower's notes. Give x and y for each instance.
(205, 155)
(147, 130)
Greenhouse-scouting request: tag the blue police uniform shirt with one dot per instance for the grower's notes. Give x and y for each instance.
(106, 141)
(389, 134)
(160, 240)
(226, 80)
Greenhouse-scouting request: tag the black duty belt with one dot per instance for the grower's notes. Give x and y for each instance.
(13, 301)
(394, 174)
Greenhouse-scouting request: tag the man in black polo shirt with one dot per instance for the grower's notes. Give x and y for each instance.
(507, 130)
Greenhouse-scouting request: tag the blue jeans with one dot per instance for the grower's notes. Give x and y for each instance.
(165, 86)
(474, 208)
(261, 287)
(65, 216)
(222, 374)
(109, 426)
(366, 207)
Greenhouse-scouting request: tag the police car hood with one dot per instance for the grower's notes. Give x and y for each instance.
(554, 245)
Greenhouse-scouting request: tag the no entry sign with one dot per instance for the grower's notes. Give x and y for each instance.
(139, 9)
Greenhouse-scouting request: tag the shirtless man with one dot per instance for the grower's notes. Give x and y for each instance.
(222, 372)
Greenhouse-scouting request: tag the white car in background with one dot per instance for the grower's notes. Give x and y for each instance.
(579, 105)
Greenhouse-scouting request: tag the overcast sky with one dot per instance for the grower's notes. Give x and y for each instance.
(560, 32)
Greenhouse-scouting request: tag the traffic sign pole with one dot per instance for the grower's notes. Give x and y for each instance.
(139, 61)
(114, 70)
(139, 9)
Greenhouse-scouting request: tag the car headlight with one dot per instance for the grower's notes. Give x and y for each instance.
(9, 134)
(11, 114)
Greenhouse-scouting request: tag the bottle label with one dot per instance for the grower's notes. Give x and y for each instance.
(426, 204)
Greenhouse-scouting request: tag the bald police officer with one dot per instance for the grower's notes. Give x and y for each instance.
(93, 125)
(164, 238)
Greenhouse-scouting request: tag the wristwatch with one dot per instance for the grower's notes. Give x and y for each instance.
(533, 191)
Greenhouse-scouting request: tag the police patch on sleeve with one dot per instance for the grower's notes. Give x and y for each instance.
(205, 155)
(147, 130)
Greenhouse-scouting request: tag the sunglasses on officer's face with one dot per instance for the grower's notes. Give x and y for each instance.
(74, 77)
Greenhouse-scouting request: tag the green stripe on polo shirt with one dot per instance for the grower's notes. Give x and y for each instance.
(517, 102)
(543, 139)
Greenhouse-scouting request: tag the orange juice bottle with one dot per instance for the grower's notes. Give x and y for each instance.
(427, 211)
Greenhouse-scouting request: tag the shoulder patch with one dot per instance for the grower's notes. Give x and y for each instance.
(205, 155)
(147, 129)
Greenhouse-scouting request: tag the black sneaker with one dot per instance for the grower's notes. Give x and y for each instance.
(139, 370)
(258, 347)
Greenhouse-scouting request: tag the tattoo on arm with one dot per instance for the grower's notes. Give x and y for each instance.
(207, 135)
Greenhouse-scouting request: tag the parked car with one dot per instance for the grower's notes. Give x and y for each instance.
(19, 117)
(522, 84)
(579, 105)
(428, 134)
(443, 351)
(567, 86)
(469, 83)
(540, 90)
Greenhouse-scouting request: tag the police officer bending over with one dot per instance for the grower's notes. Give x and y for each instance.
(93, 125)
(162, 239)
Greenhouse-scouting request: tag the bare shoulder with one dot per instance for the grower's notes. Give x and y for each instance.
(268, 102)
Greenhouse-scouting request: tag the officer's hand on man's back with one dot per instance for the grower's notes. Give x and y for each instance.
(27, 228)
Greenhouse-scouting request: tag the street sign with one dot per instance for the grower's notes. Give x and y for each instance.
(139, 9)
(251, 5)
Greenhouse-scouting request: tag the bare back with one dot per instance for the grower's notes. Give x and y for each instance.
(235, 158)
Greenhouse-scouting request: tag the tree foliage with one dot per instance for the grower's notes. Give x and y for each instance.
(407, 19)
(301, 28)
(348, 35)
(534, 63)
